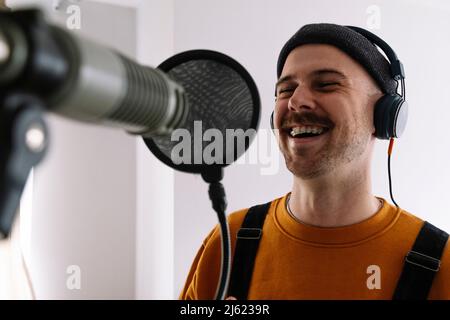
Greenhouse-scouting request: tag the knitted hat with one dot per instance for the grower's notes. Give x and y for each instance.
(351, 42)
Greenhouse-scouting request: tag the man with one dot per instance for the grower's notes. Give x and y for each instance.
(330, 237)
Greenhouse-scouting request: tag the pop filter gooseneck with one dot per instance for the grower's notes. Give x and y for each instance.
(224, 111)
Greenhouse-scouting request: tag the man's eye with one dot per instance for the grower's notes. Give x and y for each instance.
(286, 90)
(326, 84)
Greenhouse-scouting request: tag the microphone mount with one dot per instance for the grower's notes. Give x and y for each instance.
(26, 48)
(23, 144)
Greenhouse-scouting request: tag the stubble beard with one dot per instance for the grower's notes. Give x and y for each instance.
(350, 146)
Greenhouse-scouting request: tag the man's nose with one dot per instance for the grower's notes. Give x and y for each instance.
(302, 98)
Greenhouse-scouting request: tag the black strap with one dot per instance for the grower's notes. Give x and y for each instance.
(421, 264)
(247, 243)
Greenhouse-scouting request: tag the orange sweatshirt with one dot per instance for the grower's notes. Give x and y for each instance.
(299, 261)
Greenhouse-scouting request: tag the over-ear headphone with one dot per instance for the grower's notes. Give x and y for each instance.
(391, 110)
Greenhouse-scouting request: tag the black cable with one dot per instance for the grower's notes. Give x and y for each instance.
(217, 195)
(390, 182)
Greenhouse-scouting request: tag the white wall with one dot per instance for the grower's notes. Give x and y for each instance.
(155, 181)
(84, 191)
(253, 32)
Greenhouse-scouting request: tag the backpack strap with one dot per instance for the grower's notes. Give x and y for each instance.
(421, 264)
(247, 243)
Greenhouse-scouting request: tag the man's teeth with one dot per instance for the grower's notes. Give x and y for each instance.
(306, 129)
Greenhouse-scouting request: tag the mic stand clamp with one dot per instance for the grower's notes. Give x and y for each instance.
(23, 144)
(213, 176)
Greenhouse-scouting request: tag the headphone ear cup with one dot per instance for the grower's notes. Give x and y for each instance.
(390, 116)
(271, 121)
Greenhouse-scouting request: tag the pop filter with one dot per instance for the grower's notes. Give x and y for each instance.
(223, 116)
(224, 110)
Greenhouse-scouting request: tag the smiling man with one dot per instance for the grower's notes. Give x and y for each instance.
(330, 237)
(324, 110)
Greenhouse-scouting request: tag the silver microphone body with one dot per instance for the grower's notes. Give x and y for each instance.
(101, 85)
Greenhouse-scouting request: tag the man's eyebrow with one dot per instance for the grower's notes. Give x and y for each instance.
(321, 72)
(318, 72)
(284, 79)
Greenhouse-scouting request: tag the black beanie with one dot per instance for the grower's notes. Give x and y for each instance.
(351, 42)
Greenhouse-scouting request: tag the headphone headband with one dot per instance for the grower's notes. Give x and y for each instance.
(397, 70)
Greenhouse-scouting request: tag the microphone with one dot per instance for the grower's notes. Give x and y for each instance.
(82, 80)
(79, 79)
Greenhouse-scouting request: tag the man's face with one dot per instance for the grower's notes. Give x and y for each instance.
(321, 89)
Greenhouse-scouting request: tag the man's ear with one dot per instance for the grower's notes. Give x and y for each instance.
(375, 99)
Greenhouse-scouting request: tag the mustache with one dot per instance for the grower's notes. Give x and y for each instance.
(306, 119)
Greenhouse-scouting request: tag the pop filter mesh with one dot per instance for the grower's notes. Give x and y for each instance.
(222, 97)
